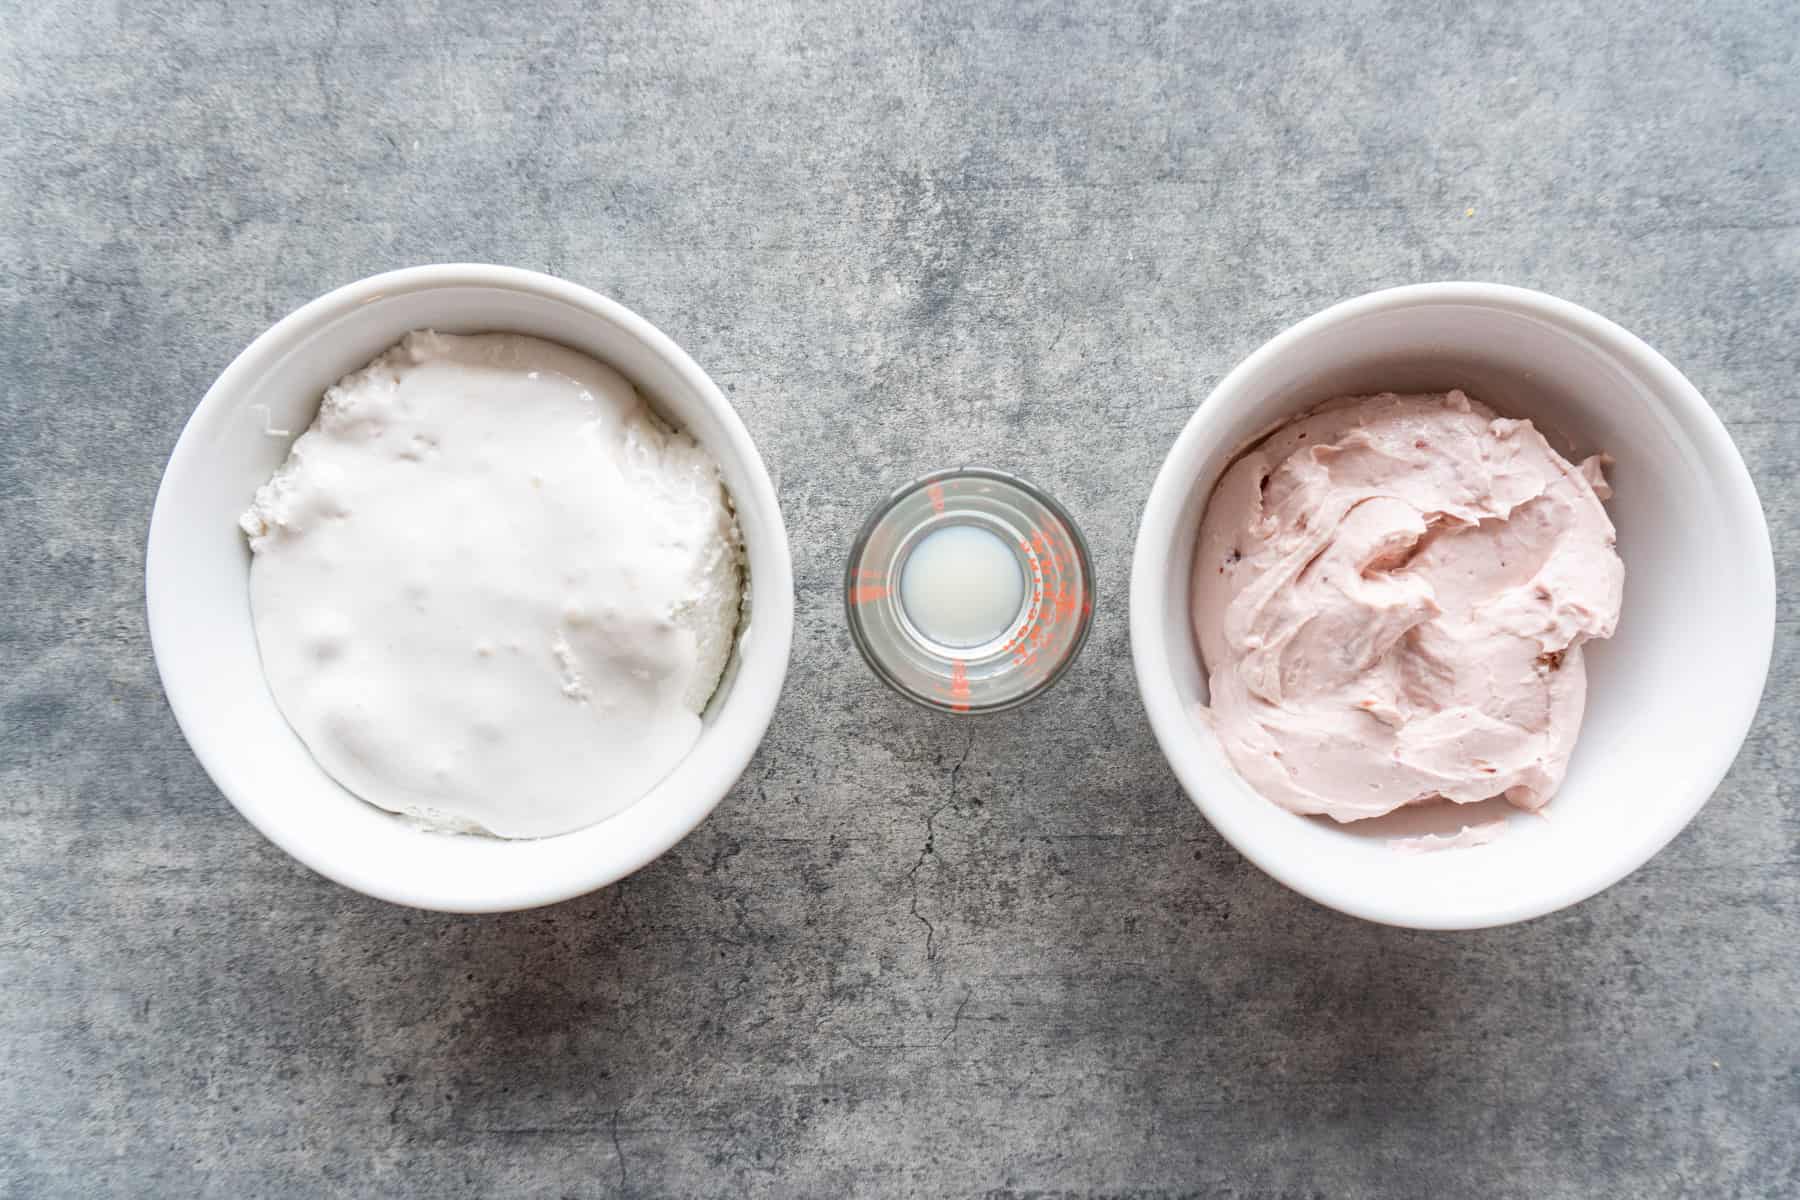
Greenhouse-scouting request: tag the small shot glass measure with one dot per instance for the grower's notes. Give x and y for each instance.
(969, 591)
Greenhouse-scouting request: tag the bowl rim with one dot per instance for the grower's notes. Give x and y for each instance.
(760, 673)
(1169, 492)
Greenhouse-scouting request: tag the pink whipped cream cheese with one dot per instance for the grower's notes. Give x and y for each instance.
(1391, 595)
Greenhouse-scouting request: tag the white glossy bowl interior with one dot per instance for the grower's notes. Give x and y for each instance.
(200, 625)
(1670, 697)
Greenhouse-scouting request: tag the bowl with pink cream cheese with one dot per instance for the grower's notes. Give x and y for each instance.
(1452, 605)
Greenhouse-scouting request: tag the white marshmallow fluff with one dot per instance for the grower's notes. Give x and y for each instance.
(492, 590)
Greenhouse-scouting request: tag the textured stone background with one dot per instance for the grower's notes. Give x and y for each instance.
(906, 957)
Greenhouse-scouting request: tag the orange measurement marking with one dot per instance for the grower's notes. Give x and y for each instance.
(867, 584)
(958, 690)
(936, 492)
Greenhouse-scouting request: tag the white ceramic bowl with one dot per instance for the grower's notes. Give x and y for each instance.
(200, 626)
(1670, 697)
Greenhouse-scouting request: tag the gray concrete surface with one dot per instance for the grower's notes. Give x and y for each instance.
(906, 957)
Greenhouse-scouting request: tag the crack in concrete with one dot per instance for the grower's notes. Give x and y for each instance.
(929, 850)
(930, 929)
(956, 1018)
(619, 1153)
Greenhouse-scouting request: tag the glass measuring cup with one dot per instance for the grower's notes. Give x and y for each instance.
(1036, 646)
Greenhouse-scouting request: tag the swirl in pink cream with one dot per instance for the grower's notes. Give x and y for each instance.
(1391, 595)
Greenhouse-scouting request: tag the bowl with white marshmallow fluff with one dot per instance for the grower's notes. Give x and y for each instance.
(1452, 605)
(469, 589)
